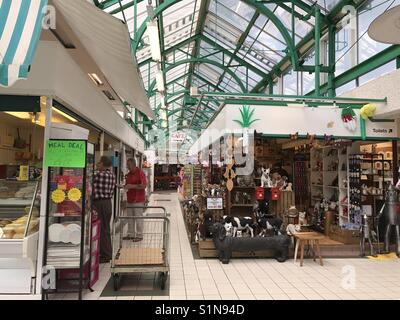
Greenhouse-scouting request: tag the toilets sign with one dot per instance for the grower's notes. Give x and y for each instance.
(381, 128)
(65, 153)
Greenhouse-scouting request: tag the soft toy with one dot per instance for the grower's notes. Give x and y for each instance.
(367, 111)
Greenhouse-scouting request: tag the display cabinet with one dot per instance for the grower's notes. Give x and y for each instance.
(19, 225)
(68, 223)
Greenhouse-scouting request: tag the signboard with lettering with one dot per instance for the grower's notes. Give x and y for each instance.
(178, 136)
(381, 128)
(214, 204)
(65, 153)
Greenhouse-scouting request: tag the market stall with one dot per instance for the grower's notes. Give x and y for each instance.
(309, 163)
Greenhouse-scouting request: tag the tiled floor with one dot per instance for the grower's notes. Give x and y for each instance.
(261, 279)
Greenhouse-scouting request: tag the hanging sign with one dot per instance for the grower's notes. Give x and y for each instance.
(381, 128)
(178, 136)
(214, 204)
(65, 153)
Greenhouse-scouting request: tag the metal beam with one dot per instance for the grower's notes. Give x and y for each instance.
(216, 46)
(292, 52)
(308, 41)
(241, 40)
(383, 57)
(199, 30)
(205, 61)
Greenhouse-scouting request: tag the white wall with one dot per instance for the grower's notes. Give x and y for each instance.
(385, 86)
(56, 74)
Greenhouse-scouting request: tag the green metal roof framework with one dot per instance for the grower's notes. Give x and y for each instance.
(236, 46)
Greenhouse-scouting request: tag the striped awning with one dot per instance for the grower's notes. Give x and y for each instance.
(20, 28)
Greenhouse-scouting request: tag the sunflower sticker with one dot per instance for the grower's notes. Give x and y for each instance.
(58, 196)
(74, 194)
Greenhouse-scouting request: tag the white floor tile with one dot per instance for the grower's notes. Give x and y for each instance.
(263, 279)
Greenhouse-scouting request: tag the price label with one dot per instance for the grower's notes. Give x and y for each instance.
(214, 204)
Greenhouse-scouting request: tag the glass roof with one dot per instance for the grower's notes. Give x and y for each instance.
(238, 45)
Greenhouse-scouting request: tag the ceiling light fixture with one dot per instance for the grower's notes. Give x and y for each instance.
(96, 79)
(20, 115)
(67, 116)
(154, 39)
(160, 81)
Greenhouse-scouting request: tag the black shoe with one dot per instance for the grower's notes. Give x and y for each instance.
(137, 239)
(104, 260)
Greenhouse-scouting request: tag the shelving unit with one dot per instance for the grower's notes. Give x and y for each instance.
(329, 177)
(367, 183)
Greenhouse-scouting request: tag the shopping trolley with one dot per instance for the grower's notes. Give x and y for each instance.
(151, 254)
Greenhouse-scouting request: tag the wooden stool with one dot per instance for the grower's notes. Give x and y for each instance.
(311, 238)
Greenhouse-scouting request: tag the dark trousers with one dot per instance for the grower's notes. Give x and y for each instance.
(104, 209)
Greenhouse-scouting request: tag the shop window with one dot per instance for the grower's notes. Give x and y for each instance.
(376, 73)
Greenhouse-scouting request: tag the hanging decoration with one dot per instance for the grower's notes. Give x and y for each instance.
(229, 175)
(349, 119)
(367, 111)
(247, 117)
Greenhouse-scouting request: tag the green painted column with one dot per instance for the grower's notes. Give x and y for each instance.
(331, 59)
(317, 39)
(363, 129)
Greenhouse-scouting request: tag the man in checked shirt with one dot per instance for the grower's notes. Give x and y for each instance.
(103, 192)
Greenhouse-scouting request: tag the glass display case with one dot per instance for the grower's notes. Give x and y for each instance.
(19, 209)
(19, 236)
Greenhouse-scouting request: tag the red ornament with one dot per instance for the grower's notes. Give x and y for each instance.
(259, 193)
(275, 194)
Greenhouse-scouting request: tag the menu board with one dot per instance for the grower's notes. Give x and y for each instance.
(65, 153)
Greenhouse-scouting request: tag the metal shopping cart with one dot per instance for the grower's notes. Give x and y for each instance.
(147, 255)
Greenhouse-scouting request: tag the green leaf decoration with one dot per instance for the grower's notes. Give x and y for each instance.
(247, 117)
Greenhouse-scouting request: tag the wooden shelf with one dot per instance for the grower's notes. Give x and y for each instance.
(241, 205)
(237, 187)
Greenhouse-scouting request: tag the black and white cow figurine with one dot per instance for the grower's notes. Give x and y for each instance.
(267, 223)
(234, 224)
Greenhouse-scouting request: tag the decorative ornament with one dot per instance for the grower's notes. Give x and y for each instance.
(247, 115)
(74, 194)
(349, 119)
(229, 175)
(367, 111)
(58, 196)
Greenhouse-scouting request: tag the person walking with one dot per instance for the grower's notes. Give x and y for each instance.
(104, 183)
(136, 184)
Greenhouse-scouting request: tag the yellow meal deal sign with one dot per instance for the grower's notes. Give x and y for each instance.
(74, 194)
(58, 196)
(65, 153)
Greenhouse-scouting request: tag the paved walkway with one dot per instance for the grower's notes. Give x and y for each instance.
(261, 278)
